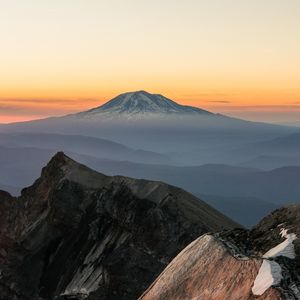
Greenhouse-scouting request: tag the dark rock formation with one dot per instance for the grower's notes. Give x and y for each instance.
(78, 234)
(267, 232)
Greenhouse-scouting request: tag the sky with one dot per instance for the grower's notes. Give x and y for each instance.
(237, 57)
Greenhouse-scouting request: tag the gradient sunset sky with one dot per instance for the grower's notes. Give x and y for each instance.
(238, 57)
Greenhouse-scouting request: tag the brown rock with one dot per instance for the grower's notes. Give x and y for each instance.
(206, 270)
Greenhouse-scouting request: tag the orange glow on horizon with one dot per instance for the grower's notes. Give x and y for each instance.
(60, 57)
(31, 108)
(4, 119)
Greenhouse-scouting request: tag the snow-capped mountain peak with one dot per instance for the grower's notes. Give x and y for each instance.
(142, 103)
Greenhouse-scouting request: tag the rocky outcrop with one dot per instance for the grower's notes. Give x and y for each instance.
(267, 232)
(78, 234)
(238, 264)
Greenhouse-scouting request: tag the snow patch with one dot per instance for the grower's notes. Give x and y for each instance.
(269, 274)
(283, 233)
(286, 248)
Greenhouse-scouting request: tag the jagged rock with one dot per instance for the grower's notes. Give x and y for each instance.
(287, 217)
(225, 265)
(78, 234)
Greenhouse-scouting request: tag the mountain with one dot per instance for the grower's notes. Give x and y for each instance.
(229, 189)
(101, 148)
(21, 165)
(78, 234)
(244, 210)
(285, 142)
(270, 153)
(140, 104)
(277, 186)
(297, 124)
(259, 264)
(151, 122)
(269, 162)
(16, 171)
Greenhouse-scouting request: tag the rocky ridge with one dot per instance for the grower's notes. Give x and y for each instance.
(78, 234)
(262, 263)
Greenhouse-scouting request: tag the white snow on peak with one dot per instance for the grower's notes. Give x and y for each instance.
(286, 248)
(269, 274)
(139, 104)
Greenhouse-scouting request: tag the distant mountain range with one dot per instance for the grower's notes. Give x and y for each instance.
(244, 210)
(295, 123)
(151, 122)
(268, 154)
(140, 105)
(246, 166)
(230, 189)
(96, 147)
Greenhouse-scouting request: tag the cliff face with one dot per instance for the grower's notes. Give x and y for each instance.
(237, 264)
(207, 270)
(78, 234)
(267, 233)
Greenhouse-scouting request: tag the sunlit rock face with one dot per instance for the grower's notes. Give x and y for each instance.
(207, 270)
(237, 264)
(78, 234)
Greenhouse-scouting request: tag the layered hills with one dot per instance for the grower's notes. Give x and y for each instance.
(245, 169)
